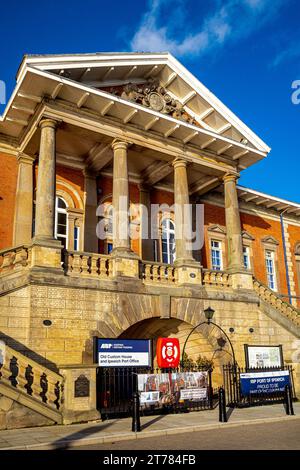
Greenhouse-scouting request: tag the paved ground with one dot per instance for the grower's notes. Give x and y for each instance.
(71, 436)
(270, 436)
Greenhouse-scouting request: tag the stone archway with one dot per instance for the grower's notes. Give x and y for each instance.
(198, 345)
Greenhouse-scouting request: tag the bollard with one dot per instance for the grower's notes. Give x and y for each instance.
(136, 422)
(222, 406)
(288, 400)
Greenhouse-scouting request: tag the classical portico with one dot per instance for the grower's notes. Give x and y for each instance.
(97, 135)
(155, 129)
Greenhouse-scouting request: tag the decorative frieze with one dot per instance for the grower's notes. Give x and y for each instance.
(156, 97)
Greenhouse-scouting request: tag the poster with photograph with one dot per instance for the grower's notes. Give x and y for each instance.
(263, 356)
(172, 388)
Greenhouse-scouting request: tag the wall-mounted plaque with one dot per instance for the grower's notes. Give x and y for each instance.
(258, 356)
(81, 387)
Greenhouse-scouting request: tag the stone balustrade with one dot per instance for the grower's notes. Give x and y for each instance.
(273, 299)
(14, 259)
(152, 272)
(216, 278)
(30, 378)
(88, 264)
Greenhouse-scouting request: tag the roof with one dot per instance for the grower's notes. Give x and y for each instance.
(83, 80)
(269, 202)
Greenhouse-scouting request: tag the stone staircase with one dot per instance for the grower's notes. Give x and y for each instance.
(281, 311)
(30, 394)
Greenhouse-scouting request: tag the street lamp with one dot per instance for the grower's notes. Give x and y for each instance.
(209, 313)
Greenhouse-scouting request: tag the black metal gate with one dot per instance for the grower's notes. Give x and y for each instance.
(115, 387)
(234, 396)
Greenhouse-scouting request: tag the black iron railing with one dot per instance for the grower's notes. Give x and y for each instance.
(234, 395)
(115, 388)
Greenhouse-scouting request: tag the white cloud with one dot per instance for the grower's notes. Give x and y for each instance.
(230, 20)
(290, 53)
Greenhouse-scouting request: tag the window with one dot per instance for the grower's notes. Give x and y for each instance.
(270, 266)
(76, 238)
(246, 256)
(168, 241)
(61, 221)
(216, 255)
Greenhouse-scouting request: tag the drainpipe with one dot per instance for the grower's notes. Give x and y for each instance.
(285, 257)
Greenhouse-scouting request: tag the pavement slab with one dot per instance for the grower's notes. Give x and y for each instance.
(109, 431)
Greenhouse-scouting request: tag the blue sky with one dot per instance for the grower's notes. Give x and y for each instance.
(247, 52)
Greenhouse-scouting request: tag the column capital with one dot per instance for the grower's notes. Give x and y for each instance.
(119, 144)
(48, 122)
(231, 177)
(145, 188)
(89, 173)
(23, 158)
(179, 163)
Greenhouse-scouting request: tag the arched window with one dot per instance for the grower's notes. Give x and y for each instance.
(168, 241)
(61, 221)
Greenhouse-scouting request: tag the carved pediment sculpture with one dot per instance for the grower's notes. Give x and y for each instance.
(156, 97)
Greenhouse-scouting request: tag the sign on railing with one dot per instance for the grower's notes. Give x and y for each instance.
(172, 388)
(254, 383)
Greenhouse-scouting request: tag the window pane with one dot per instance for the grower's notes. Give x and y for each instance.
(61, 218)
(61, 203)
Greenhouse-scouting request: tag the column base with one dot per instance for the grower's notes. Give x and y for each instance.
(125, 263)
(79, 393)
(189, 272)
(46, 253)
(241, 279)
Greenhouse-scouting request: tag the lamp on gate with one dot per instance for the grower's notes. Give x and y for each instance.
(209, 313)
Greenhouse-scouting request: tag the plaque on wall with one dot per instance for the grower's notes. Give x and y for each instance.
(81, 387)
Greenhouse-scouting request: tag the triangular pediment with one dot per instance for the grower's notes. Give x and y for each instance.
(247, 236)
(216, 229)
(151, 91)
(270, 240)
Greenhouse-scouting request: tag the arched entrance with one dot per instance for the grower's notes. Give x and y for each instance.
(115, 386)
(204, 343)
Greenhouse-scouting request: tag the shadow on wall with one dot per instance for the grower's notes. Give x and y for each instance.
(21, 348)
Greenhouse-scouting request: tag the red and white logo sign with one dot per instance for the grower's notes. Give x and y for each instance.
(167, 352)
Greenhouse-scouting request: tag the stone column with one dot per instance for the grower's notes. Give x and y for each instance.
(45, 196)
(145, 219)
(233, 224)
(125, 261)
(188, 270)
(24, 201)
(121, 239)
(183, 217)
(46, 252)
(90, 218)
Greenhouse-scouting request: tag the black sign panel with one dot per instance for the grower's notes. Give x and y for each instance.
(81, 387)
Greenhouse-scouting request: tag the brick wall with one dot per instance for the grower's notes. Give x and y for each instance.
(259, 228)
(72, 177)
(294, 238)
(8, 183)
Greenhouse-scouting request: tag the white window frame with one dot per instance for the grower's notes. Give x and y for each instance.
(171, 257)
(270, 256)
(59, 210)
(246, 252)
(219, 250)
